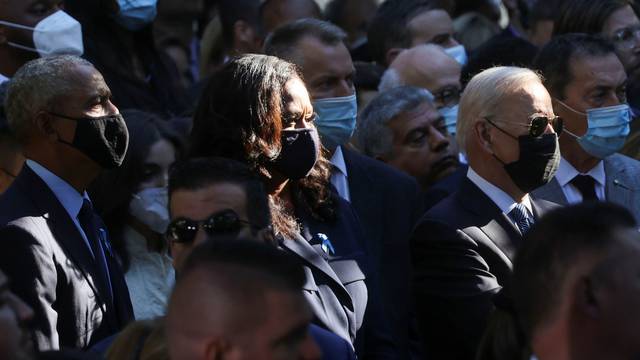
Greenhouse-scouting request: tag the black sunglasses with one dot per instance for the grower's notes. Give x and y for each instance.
(537, 126)
(183, 230)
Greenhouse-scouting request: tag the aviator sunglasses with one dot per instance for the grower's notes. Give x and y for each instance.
(183, 230)
(537, 126)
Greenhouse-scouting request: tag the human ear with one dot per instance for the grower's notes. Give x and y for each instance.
(587, 298)
(44, 124)
(483, 136)
(392, 54)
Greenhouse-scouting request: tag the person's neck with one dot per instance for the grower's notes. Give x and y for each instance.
(551, 342)
(494, 173)
(77, 174)
(573, 153)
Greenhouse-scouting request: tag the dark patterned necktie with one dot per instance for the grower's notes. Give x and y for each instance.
(520, 215)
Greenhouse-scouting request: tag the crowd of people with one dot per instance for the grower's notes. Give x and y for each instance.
(319, 179)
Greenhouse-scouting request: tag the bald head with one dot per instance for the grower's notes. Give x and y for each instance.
(426, 66)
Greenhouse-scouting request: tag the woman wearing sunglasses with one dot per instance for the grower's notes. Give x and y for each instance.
(256, 110)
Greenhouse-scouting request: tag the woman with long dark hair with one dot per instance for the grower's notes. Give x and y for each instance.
(256, 110)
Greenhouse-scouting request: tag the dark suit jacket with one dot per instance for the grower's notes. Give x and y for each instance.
(462, 251)
(51, 268)
(339, 285)
(388, 204)
(332, 346)
(444, 187)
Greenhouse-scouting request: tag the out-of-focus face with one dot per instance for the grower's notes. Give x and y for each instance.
(356, 18)
(514, 115)
(26, 13)
(623, 29)
(617, 291)
(199, 205)
(15, 342)
(157, 163)
(421, 145)
(327, 69)
(596, 82)
(541, 32)
(432, 27)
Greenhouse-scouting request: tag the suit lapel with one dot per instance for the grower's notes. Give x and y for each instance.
(619, 187)
(552, 192)
(64, 230)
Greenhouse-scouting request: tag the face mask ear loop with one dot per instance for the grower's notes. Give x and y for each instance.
(17, 26)
(570, 108)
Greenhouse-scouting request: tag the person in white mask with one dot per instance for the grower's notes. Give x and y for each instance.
(374, 189)
(400, 25)
(133, 200)
(30, 28)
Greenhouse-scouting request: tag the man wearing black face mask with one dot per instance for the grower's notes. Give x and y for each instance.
(54, 246)
(463, 247)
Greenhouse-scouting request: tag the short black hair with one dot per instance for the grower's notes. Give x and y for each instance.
(587, 16)
(282, 42)
(197, 173)
(552, 246)
(280, 269)
(554, 59)
(232, 11)
(388, 27)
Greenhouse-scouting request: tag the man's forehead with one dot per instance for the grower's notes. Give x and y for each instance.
(324, 57)
(591, 71)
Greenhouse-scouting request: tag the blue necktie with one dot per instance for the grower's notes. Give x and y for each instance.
(520, 215)
(88, 222)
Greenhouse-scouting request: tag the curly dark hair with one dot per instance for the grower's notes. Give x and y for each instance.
(239, 116)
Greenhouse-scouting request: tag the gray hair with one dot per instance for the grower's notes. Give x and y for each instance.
(485, 92)
(373, 133)
(35, 87)
(390, 79)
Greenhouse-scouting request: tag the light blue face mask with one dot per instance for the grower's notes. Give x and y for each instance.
(608, 128)
(336, 119)
(136, 14)
(450, 115)
(458, 53)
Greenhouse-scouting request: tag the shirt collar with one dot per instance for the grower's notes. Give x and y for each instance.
(69, 197)
(503, 200)
(337, 160)
(566, 172)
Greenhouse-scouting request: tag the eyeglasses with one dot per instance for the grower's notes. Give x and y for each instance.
(447, 97)
(183, 230)
(537, 126)
(625, 37)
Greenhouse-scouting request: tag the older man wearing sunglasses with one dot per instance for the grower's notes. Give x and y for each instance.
(463, 247)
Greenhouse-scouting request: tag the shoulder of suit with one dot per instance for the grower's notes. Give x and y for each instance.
(623, 161)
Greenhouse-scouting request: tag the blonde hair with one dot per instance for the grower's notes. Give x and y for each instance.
(485, 92)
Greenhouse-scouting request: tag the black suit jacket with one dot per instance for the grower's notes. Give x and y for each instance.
(51, 268)
(462, 251)
(388, 204)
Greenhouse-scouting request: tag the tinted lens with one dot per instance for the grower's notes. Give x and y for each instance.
(558, 125)
(182, 231)
(538, 126)
(224, 222)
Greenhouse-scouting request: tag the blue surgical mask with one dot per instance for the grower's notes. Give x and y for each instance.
(458, 53)
(450, 115)
(336, 119)
(136, 14)
(608, 128)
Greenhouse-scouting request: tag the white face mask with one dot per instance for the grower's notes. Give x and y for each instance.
(150, 206)
(459, 53)
(56, 34)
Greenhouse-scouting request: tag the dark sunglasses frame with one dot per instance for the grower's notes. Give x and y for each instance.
(183, 230)
(537, 126)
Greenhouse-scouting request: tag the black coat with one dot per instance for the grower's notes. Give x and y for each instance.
(462, 252)
(52, 269)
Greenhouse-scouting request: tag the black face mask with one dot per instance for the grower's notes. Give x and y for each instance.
(537, 164)
(300, 148)
(103, 139)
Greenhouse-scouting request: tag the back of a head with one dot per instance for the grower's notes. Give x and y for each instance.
(586, 16)
(483, 95)
(232, 11)
(277, 13)
(283, 41)
(36, 86)
(388, 28)
(198, 173)
(229, 279)
(563, 239)
(554, 59)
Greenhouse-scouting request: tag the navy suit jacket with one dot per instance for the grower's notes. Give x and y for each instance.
(51, 268)
(332, 346)
(388, 204)
(445, 187)
(462, 251)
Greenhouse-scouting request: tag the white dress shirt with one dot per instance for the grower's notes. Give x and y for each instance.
(566, 172)
(339, 174)
(150, 277)
(503, 200)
